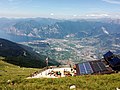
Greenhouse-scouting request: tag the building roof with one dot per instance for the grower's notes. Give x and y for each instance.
(115, 61)
(108, 54)
(92, 67)
(112, 59)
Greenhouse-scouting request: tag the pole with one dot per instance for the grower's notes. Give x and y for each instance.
(47, 62)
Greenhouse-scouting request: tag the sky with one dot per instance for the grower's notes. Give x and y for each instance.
(66, 9)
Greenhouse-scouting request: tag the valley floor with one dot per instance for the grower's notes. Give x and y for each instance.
(13, 78)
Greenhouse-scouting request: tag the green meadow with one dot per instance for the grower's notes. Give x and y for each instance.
(14, 78)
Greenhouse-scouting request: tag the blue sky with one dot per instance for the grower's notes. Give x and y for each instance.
(60, 8)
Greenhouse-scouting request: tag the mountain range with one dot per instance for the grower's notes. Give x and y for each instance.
(42, 28)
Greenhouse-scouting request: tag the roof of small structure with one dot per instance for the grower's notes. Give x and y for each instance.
(115, 61)
(92, 67)
(112, 59)
(108, 54)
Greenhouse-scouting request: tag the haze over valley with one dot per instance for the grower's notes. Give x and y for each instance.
(65, 41)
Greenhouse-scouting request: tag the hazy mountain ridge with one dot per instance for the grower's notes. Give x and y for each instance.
(60, 29)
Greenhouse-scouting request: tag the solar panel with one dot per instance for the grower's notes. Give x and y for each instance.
(99, 66)
(102, 66)
(85, 68)
(88, 68)
(82, 69)
(91, 67)
(95, 66)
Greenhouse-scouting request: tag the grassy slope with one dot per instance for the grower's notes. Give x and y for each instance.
(18, 75)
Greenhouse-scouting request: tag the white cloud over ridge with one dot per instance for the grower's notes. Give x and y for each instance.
(97, 15)
(102, 15)
(112, 1)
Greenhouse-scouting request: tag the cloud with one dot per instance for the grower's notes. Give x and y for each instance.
(97, 15)
(112, 1)
(102, 15)
(74, 15)
(51, 14)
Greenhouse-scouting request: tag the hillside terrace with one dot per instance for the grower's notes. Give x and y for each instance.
(54, 72)
(96, 67)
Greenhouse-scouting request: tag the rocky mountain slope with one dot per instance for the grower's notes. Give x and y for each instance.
(38, 28)
(22, 55)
